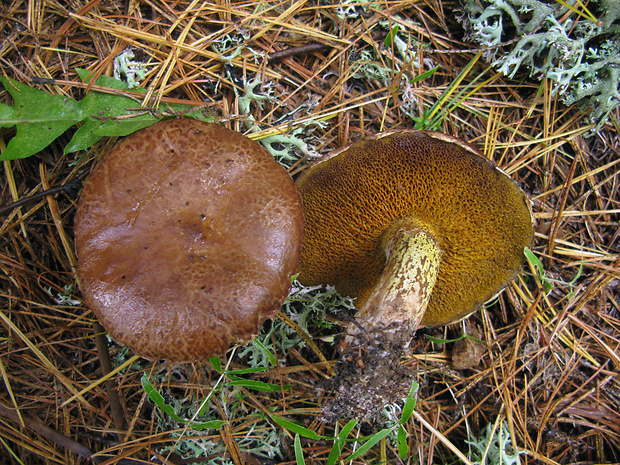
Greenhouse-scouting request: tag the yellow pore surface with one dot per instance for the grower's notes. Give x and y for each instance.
(480, 218)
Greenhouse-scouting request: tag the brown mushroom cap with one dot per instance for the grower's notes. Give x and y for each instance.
(187, 234)
(479, 217)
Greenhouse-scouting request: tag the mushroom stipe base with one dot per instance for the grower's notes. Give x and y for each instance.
(401, 295)
(370, 375)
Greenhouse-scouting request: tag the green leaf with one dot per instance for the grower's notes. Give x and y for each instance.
(38, 117)
(104, 81)
(5, 113)
(212, 424)
(299, 452)
(403, 446)
(374, 439)
(533, 259)
(295, 428)
(438, 340)
(335, 452)
(256, 385)
(216, 363)
(424, 75)
(156, 397)
(409, 403)
(243, 371)
(347, 429)
(547, 282)
(158, 400)
(433, 117)
(389, 39)
(339, 442)
(579, 273)
(103, 111)
(272, 358)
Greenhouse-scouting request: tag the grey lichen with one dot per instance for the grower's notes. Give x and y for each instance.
(580, 53)
(133, 71)
(351, 9)
(284, 146)
(304, 306)
(495, 445)
(287, 145)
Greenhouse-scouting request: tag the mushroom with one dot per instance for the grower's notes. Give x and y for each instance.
(420, 228)
(187, 234)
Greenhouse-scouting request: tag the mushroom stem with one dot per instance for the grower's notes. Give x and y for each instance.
(398, 301)
(371, 375)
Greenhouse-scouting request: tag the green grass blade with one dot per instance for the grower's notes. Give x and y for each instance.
(424, 75)
(256, 385)
(428, 120)
(410, 403)
(369, 444)
(295, 428)
(339, 442)
(243, 371)
(402, 444)
(299, 452)
(157, 398)
(272, 358)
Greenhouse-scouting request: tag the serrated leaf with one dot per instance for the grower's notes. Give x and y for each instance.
(39, 118)
(104, 81)
(102, 111)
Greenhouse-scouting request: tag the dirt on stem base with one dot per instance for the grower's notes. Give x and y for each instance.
(370, 375)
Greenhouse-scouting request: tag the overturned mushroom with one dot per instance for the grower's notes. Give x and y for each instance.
(187, 234)
(421, 229)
